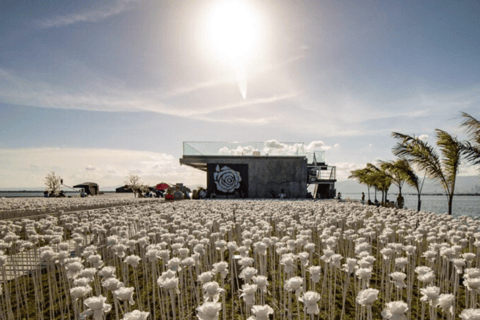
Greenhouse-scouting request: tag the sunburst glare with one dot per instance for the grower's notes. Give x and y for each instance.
(233, 34)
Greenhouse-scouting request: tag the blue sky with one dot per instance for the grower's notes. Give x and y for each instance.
(98, 90)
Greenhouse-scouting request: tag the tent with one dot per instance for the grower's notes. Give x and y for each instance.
(90, 188)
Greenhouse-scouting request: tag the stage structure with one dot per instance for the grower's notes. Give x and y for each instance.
(260, 169)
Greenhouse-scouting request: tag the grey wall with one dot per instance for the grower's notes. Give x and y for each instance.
(267, 173)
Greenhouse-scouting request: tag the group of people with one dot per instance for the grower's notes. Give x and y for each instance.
(398, 204)
(281, 195)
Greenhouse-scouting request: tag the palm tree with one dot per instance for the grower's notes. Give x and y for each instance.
(472, 126)
(363, 177)
(423, 155)
(400, 172)
(382, 181)
(395, 170)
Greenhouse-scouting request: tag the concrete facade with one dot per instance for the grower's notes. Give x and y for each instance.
(265, 173)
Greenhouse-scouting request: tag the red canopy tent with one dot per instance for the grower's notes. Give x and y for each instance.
(162, 186)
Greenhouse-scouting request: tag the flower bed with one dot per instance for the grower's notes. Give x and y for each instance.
(27, 207)
(252, 260)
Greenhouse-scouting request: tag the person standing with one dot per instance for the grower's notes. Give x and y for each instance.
(282, 194)
(400, 201)
(363, 198)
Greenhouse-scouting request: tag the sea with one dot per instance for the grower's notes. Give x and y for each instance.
(462, 204)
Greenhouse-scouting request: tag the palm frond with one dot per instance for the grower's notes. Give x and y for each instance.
(471, 152)
(373, 167)
(394, 171)
(472, 126)
(451, 150)
(421, 154)
(411, 177)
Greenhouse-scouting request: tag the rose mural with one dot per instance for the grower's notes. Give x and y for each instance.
(226, 179)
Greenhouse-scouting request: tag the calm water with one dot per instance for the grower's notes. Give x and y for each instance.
(462, 205)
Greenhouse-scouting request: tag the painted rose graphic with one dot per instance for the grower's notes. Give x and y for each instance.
(226, 179)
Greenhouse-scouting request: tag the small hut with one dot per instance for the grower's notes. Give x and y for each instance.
(124, 189)
(91, 188)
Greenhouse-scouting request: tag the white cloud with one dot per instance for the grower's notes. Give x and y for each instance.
(238, 151)
(95, 15)
(469, 170)
(28, 167)
(423, 137)
(273, 147)
(315, 145)
(343, 169)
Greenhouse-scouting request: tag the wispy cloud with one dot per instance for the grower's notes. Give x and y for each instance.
(96, 15)
(22, 91)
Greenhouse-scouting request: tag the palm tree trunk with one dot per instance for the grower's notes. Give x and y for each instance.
(419, 201)
(450, 203)
(368, 193)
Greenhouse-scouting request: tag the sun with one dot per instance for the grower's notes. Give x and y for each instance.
(233, 31)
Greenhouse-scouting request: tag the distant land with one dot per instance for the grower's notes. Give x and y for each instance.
(464, 185)
(102, 189)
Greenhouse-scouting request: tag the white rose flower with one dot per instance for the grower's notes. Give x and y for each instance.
(80, 292)
(350, 265)
(367, 297)
(209, 311)
(205, 277)
(136, 315)
(262, 312)
(395, 310)
(261, 282)
(430, 294)
(428, 277)
(107, 272)
(446, 301)
(132, 260)
(397, 278)
(96, 307)
(294, 284)
(212, 291)
(221, 267)
(112, 284)
(470, 314)
(168, 283)
(82, 282)
(248, 273)
(315, 273)
(248, 293)
(310, 299)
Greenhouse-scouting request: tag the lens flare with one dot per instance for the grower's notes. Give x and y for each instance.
(233, 33)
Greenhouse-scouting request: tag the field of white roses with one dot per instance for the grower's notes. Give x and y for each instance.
(253, 260)
(25, 207)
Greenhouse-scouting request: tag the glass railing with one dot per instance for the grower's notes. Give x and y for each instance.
(316, 157)
(267, 148)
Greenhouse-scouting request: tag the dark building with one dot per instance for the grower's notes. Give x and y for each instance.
(91, 188)
(123, 189)
(259, 170)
